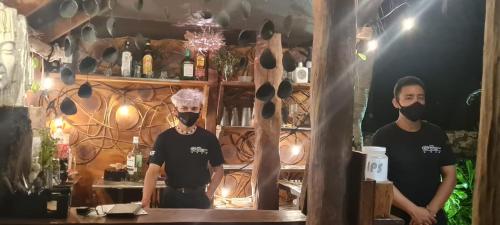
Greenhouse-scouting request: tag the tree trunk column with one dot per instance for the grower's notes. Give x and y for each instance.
(331, 112)
(486, 197)
(266, 164)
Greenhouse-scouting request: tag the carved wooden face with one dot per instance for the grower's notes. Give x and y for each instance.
(7, 62)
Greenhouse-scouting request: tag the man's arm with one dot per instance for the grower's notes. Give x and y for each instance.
(149, 184)
(419, 215)
(445, 189)
(215, 181)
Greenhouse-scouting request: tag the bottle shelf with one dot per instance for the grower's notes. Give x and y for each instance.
(133, 80)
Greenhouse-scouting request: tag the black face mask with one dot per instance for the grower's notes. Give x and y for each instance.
(188, 118)
(413, 112)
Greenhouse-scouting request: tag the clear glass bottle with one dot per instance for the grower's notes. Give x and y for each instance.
(126, 60)
(131, 169)
(138, 158)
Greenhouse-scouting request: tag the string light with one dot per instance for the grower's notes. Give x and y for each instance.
(372, 45)
(296, 149)
(47, 83)
(408, 23)
(58, 122)
(224, 192)
(124, 110)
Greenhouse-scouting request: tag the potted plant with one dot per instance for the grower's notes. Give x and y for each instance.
(225, 61)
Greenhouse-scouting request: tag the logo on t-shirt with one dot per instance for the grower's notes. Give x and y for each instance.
(199, 150)
(431, 149)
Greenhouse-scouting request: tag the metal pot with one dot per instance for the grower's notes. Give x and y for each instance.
(88, 33)
(265, 92)
(90, 7)
(285, 89)
(67, 76)
(267, 30)
(268, 110)
(110, 55)
(85, 90)
(267, 59)
(246, 37)
(110, 25)
(68, 8)
(289, 63)
(69, 45)
(68, 107)
(87, 65)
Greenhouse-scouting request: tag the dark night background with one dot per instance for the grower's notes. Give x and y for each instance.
(444, 50)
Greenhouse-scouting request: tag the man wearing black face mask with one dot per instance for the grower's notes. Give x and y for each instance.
(185, 150)
(421, 163)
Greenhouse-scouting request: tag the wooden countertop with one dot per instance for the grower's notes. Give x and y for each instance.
(181, 216)
(193, 216)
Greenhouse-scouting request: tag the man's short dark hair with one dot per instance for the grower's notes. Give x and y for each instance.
(407, 81)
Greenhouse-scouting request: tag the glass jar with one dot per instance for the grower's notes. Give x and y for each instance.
(376, 166)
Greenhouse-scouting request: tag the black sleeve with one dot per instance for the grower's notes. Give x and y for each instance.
(215, 156)
(157, 154)
(447, 157)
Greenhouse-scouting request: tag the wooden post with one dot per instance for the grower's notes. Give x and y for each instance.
(213, 91)
(266, 164)
(331, 112)
(486, 198)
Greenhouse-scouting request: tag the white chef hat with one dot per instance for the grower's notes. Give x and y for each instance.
(187, 97)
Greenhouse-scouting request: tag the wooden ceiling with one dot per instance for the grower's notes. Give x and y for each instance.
(160, 19)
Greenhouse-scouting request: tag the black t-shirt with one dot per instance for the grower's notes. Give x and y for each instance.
(186, 157)
(415, 159)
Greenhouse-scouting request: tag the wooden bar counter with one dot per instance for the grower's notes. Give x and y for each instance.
(193, 216)
(181, 216)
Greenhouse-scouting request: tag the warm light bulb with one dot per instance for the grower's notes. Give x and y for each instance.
(58, 122)
(408, 23)
(224, 192)
(123, 110)
(47, 83)
(372, 45)
(296, 149)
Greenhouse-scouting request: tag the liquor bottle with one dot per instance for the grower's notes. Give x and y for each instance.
(138, 159)
(187, 67)
(147, 61)
(201, 67)
(309, 70)
(126, 60)
(131, 169)
(300, 75)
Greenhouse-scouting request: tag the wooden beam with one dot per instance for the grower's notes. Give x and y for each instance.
(486, 198)
(27, 7)
(266, 158)
(61, 26)
(331, 113)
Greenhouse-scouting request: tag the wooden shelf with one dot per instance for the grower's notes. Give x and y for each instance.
(132, 80)
(239, 84)
(282, 128)
(251, 85)
(249, 167)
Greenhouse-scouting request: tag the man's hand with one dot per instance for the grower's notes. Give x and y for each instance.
(422, 216)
